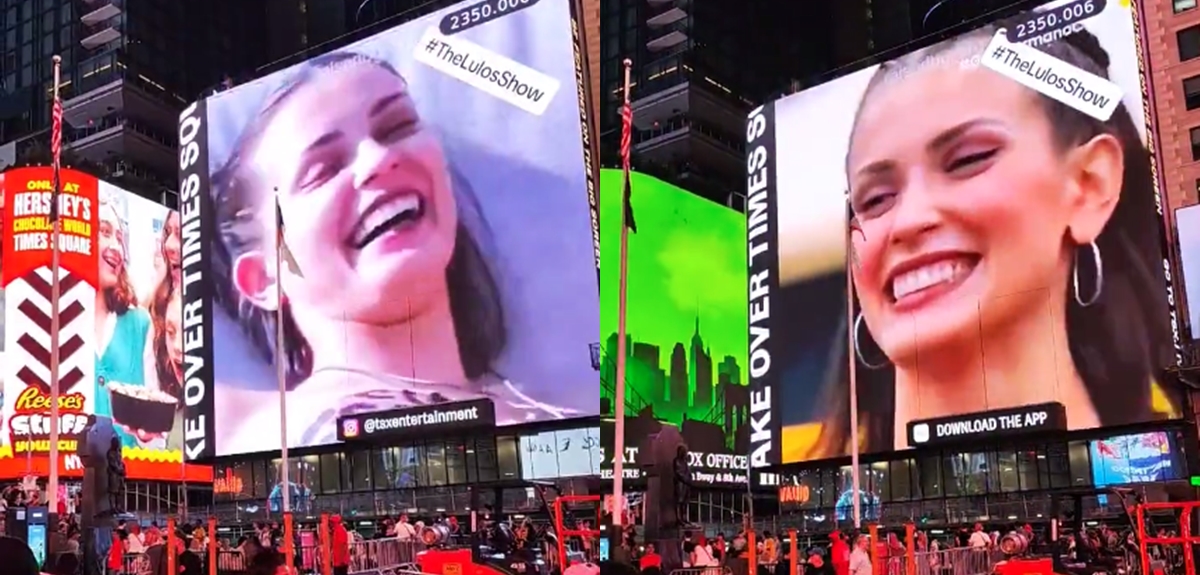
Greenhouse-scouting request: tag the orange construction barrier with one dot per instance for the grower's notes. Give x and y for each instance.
(326, 554)
(565, 534)
(172, 541)
(212, 546)
(1186, 540)
(752, 548)
(910, 549)
(289, 545)
(873, 531)
(793, 554)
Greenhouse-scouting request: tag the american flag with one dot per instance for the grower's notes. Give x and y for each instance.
(285, 255)
(626, 145)
(56, 127)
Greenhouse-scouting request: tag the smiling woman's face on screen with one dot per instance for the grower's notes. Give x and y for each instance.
(112, 246)
(365, 191)
(969, 209)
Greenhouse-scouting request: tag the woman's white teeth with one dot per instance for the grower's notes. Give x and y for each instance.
(928, 276)
(407, 204)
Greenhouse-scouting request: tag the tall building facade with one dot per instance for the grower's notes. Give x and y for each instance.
(699, 66)
(301, 29)
(1172, 34)
(128, 68)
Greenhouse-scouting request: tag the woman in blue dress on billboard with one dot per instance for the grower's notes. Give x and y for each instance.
(1008, 255)
(392, 302)
(122, 328)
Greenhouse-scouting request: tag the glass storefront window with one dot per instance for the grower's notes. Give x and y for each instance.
(901, 481)
(309, 474)
(1080, 463)
(487, 459)
(471, 458)
(1006, 471)
(507, 460)
(929, 477)
(435, 456)
(810, 481)
(411, 461)
(456, 463)
(262, 486)
(829, 490)
(356, 471)
(1027, 469)
(880, 481)
(1058, 467)
(331, 478)
(385, 466)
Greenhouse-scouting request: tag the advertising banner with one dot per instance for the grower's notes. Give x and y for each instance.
(458, 418)
(120, 343)
(1136, 458)
(413, 209)
(974, 427)
(562, 453)
(995, 201)
(685, 316)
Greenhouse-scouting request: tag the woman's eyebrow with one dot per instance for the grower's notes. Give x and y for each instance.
(383, 103)
(948, 136)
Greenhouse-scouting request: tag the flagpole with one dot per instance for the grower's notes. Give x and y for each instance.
(855, 480)
(619, 409)
(280, 358)
(56, 145)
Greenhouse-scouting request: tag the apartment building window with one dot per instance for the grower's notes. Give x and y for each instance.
(1195, 137)
(1184, 5)
(1188, 40)
(1191, 92)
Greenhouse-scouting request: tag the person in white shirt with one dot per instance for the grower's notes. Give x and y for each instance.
(134, 541)
(979, 539)
(702, 554)
(405, 530)
(860, 557)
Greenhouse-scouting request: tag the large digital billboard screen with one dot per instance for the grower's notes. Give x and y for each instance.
(120, 343)
(550, 455)
(1007, 247)
(1135, 458)
(685, 322)
(433, 187)
(1187, 233)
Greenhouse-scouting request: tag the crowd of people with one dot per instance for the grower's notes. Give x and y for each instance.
(134, 550)
(972, 549)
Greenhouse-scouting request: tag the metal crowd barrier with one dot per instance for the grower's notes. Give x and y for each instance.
(376, 556)
(702, 571)
(383, 554)
(957, 561)
(135, 564)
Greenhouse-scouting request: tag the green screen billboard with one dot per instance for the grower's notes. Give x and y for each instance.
(685, 321)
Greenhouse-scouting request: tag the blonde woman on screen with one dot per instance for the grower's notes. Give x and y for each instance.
(394, 304)
(1008, 253)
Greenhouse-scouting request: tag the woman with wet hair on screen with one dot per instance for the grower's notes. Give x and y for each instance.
(392, 302)
(123, 349)
(973, 202)
(164, 303)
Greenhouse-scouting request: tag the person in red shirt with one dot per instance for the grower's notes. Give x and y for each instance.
(839, 554)
(116, 554)
(650, 559)
(341, 547)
